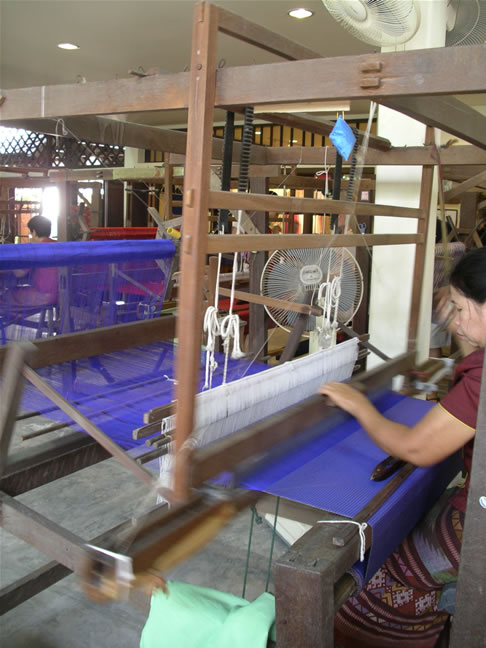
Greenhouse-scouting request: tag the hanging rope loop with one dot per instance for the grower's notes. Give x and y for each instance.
(211, 327)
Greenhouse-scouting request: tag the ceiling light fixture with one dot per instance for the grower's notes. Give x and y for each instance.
(301, 13)
(68, 46)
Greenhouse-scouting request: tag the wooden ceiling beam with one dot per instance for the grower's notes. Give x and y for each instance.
(319, 126)
(447, 113)
(265, 39)
(377, 76)
(478, 180)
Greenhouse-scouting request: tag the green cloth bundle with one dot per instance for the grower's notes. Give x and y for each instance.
(190, 616)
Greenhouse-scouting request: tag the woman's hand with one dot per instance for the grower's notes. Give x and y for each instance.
(346, 397)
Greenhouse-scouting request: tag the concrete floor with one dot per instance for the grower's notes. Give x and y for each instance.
(88, 503)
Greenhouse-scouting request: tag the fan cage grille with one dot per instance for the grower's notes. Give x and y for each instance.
(282, 278)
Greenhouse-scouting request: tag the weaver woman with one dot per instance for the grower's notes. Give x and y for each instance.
(405, 604)
(40, 287)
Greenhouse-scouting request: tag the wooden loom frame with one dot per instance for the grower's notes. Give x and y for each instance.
(386, 77)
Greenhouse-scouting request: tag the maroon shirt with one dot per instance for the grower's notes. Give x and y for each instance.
(462, 403)
(44, 280)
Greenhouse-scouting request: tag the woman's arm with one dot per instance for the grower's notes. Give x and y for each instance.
(433, 438)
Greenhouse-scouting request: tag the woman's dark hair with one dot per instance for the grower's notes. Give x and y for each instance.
(469, 275)
(40, 225)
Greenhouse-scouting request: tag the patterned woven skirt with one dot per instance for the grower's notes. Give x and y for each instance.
(403, 605)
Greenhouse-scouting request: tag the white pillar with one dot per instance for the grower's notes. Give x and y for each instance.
(392, 267)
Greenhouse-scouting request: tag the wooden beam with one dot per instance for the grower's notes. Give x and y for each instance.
(447, 113)
(372, 76)
(79, 418)
(25, 182)
(33, 467)
(418, 281)
(307, 587)
(255, 202)
(74, 346)
(262, 242)
(310, 182)
(319, 126)
(276, 430)
(251, 298)
(412, 73)
(47, 536)
(40, 579)
(475, 181)
(265, 39)
(414, 155)
(258, 325)
(11, 393)
(124, 133)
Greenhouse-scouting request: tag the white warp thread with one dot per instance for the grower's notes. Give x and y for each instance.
(229, 408)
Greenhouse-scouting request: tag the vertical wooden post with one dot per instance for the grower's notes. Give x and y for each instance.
(258, 319)
(308, 218)
(168, 179)
(202, 90)
(468, 627)
(65, 189)
(420, 248)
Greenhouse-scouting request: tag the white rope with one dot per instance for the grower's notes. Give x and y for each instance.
(212, 328)
(328, 298)
(168, 424)
(361, 528)
(230, 329)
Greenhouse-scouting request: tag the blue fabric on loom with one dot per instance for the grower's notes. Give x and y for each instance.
(115, 390)
(38, 255)
(313, 474)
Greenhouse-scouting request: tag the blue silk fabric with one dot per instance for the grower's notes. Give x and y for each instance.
(115, 390)
(73, 253)
(332, 472)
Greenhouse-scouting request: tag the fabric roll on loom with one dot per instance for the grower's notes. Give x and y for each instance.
(48, 290)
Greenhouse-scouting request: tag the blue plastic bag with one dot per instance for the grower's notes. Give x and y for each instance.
(343, 138)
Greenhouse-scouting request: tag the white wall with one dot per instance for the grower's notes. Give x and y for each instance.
(392, 267)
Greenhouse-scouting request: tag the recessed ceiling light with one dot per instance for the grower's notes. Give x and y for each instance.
(300, 13)
(68, 46)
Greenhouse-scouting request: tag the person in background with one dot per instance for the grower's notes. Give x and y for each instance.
(40, 287)
(408, 601)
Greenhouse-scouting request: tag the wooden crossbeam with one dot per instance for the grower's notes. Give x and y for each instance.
(268, 434)
(97, 434)
(75, 346)
(447, 113)
(454, 156)
(304, 309)
(319, 126)
(124, 133)
(233, 25)
(458, 190)
(411, 73)
(263, 242)
(291, 205)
